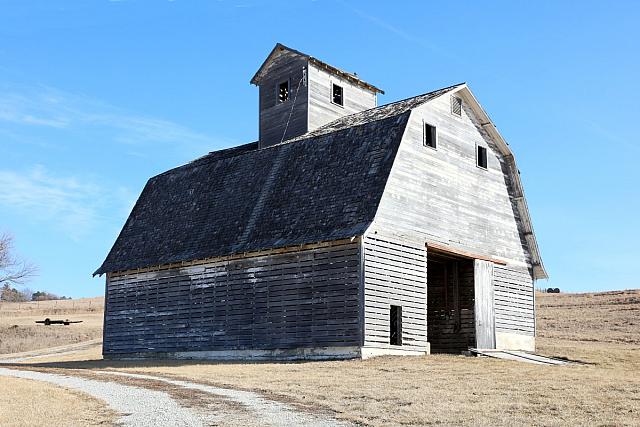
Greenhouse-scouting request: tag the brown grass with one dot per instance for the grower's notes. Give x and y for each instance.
(32, 403)
(599, 329)
(19, 332)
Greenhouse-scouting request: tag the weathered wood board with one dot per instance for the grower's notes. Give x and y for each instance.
(395, 273)
(303, 297)
(484, 311)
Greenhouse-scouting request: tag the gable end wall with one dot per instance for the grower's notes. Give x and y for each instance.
(441, 196)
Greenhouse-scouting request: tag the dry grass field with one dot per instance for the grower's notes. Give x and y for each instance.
(43, 405)
(600, 330)
(19, 332)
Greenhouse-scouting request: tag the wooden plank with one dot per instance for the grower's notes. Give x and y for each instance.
(437, 247)
(484, 307)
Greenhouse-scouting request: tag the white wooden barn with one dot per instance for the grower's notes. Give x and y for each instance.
(347, 230)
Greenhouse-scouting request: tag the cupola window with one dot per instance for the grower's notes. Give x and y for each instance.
(337, 94)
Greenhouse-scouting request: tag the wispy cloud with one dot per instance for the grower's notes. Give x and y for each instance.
(43, 106)
(402, 33)
(69, 203)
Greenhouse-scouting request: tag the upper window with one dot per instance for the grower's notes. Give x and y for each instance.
(430, 136)
(481, 157)
(283, 91)
(337, 94)
(456, 106)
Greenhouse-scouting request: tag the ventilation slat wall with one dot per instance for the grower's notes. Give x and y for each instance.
(296, 299)
(513, 300)
(395, 274)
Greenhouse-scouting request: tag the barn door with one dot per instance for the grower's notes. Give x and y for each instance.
(485, 315)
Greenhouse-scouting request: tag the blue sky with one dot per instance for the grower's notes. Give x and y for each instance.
(97, 96)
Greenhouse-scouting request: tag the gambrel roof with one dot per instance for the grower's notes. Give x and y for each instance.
(322, 186)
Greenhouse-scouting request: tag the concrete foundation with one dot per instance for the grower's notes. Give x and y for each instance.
(322, 353)
(511, 341)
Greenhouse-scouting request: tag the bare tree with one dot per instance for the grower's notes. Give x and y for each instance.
(13, 271)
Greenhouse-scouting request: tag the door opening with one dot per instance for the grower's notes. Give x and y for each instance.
(395, 325)
(450, 303)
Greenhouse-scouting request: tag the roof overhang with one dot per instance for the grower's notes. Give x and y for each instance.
(280, 48)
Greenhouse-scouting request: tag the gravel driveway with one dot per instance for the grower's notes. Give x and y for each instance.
(138, 406)
(142, 406)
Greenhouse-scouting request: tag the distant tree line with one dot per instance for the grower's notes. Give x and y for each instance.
(11, 294)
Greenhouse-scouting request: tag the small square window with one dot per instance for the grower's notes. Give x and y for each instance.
(283, 92)
(456, 106)
(395, 325)
(337, 94)
(430, 136)
(481, 157)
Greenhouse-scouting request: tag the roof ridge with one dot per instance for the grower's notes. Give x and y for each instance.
(312, 59)
(448, 88)
(369, 115)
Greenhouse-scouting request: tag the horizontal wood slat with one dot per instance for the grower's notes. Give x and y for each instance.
(299, 298)
(514, 300)
(395, 273)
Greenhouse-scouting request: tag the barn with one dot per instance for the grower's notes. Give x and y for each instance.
(347, 230)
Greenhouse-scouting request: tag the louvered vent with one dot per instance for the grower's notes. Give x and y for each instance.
(456, 106)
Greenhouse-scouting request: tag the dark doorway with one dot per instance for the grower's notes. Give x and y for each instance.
(395, 325)
(450, 303)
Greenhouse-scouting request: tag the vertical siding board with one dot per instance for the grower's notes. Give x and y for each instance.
(484, 305)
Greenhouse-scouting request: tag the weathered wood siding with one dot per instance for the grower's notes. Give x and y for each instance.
(297, 298)
(484, 306)
(274, 115)
(395, 273)
(442, 196)
(313, 104)
(513, 300)
(322, 110)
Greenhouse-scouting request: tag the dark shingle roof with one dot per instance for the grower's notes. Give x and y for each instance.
(377, 113)
(325, 185)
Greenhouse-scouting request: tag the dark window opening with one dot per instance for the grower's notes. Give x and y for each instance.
(456, 106)
(430, 136)
(283, 91)
(482, 157)
(395, 325)
(336, 94)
